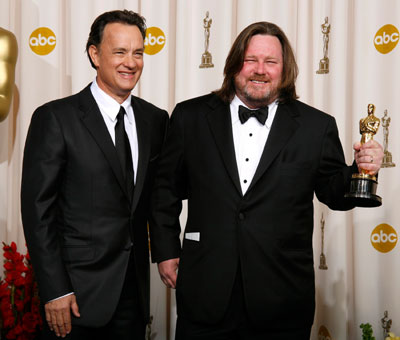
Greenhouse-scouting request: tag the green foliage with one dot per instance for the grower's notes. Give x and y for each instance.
(367, 332)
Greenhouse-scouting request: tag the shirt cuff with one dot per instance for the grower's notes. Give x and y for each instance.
(60, 297)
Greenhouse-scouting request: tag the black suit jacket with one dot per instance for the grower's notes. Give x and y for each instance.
(267, 231)
(77, 217)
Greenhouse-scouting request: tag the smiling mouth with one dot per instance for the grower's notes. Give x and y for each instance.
(259, 81)
(126, 74)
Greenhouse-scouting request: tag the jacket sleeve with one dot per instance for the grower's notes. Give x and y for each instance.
(42, 178)
(333, 179)
(169, 190)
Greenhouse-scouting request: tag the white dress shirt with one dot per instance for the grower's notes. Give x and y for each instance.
(249, 140)
(109, 109)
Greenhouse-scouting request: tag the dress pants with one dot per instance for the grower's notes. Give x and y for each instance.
(236, 324)
(127, 322)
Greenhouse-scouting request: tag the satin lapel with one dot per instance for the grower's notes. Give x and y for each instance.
(94, 122)
(219, 120)
(283, 127)
(143, 130)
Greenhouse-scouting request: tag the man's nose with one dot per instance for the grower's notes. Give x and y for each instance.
(260, 68)
(130, 61)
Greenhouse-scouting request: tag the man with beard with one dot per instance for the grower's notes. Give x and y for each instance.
(249, 158)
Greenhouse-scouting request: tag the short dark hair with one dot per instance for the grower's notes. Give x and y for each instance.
(235, 59)
(123, 17)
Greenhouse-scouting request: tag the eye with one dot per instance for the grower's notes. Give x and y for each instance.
(272, 61)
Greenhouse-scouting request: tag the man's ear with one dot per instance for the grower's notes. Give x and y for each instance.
(94, 55)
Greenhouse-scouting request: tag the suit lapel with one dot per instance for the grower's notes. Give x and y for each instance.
(219, 119)
(143, 130)
(283, 127)
(94, 122)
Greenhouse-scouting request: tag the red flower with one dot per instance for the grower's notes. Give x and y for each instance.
(19, 281)
(29, 322)
(21, 268)
(11, 334)
(19, 302)
(8, 320)
(12, 247)
(8, 266)
(18, 329)
(24, 336)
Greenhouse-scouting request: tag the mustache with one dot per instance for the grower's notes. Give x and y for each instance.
(258, 78)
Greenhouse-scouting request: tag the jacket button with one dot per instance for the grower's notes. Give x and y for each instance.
(241, 216)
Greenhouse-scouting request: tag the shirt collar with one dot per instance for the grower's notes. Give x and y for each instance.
(109, 105)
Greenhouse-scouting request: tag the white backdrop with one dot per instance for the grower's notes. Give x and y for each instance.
(360, 246)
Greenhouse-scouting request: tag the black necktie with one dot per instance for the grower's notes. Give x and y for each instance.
(260, 114)
(124, 151)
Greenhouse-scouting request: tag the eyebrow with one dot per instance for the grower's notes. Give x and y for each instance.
(256, 57)
(141, 49)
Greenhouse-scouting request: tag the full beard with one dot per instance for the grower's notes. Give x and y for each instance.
(257, 99)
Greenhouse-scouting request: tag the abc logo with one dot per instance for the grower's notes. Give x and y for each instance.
(42, 41)
(155, 40)
(323, 334)
(386, 39)
(384, 238)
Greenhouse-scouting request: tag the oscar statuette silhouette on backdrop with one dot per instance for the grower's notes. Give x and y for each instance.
(387, 155)
(322, 257)
(206, 57)
(324, 62)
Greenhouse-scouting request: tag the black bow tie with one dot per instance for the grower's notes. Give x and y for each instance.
(260, 114)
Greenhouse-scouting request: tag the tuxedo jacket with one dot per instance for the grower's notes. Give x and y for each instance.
(79, 223)
(267, 231)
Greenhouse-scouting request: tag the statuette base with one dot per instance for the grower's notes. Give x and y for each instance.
(387, 161)
(322, 262)
(323, 66)
(206, 60)
(362, 191)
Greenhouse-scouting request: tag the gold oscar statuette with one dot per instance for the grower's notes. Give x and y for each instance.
(8, 59)
(363, 185)
(206, 57)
